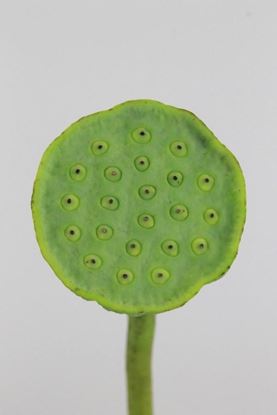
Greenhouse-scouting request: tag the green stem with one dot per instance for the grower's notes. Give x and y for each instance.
(139, 353)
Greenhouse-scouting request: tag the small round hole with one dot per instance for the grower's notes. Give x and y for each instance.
(179, 212)
(146, 221)
(70, 202)
(92, 261)
(170, 247)
(133, 247)
(110, 202)
(104, 232)
(78, 172)
(178, 148)
(72, 233)
(175, 178)
(113, 174)
(125, 276)
(141, 163)
(99, 147)
(141, 135)
(211, 216)
(147, 191)
(160, 276)
(199, 246)
(206, 182)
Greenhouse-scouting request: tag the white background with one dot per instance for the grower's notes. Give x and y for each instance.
(61, 60)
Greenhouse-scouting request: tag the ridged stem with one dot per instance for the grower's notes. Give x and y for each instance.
(139, 354)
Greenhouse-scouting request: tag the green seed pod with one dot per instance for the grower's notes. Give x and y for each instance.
(138, 207)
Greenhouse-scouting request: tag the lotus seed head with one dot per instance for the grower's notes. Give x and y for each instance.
(138, 207)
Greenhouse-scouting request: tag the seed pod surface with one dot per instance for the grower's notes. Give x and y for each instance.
(138, 207)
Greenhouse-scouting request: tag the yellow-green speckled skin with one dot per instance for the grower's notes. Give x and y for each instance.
(174, 223)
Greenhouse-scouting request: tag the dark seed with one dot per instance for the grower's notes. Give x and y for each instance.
(132, 246)
(160, 274)
(175, 178)
(142, 133)
(71, 232)
(77, 171)
(100, 146)
(111, 201)
(170, 246)
(207, 180)
(125, 276)
(69, 201)
(179, 147)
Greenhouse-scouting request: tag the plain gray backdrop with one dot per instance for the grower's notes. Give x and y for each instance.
(61, 60)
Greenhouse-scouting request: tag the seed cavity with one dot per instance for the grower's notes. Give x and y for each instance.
(211, 216)
(179, 212)
(99, 147)
(141, 135)
(133, 247)
(92, 261)
(142, 163)
(146, 221)
(178, 148)
(170, 247)
(72, 233)
(147, 191)
(125, 276)
(160, 276)
(70, 202)
(175, 178)
(110, 202)
(206, 182)
(113, 174)
(199, 246)
(78, 172)
(104, 232)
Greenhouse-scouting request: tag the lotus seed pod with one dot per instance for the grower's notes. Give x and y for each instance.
(138, 207)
